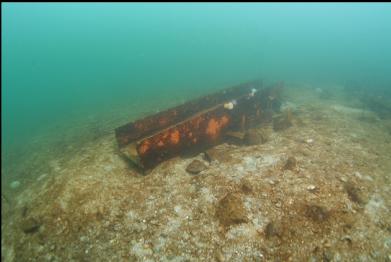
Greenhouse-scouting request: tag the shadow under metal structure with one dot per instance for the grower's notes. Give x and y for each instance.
(197, 124)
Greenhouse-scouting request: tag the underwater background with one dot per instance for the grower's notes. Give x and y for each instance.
(72, 72)
(309, 181)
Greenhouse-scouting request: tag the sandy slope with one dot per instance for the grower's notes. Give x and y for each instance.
(333, 205)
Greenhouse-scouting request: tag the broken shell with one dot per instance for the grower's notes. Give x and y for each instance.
(309, 141)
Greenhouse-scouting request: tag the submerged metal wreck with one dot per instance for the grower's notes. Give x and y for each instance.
(197, 124)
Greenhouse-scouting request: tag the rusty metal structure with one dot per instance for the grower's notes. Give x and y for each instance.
(197, 124)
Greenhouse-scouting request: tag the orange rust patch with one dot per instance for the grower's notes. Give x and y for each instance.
(224, 121)
(144, 147)
(214, 126)
(175, 137)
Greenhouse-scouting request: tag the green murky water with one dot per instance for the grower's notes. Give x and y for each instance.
(74, 72)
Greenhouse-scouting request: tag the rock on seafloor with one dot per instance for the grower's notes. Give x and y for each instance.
(290, 163)
(30, 225)
(195, 167)
(230, 210)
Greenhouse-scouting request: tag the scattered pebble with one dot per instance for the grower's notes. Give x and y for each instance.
(353, 193)
(217, 154)
(290, 163)
(311, 188)
(347, 238)
(30, 225)
(230, 210)
(309, 141)
(343, 179)
(195, 167)
(246, 187)
(272, 229)
(272, 182)
(358, 174)
(316, 213)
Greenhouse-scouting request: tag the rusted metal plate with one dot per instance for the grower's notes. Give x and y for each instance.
(195, 125)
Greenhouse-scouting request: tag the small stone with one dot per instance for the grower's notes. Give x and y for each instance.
(353, 193)
(290, 163)
(343, 179)
(358, 174)
(230, 210)
(30, 225)
(246, 187)
(348, 239)
(216, 154)
(316, 213)
(15, 184)
(83, 239)
(195, 167)
(311, 188)
(272, 230)
(309, 141)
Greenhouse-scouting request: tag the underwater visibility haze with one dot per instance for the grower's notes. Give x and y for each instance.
(73, 73)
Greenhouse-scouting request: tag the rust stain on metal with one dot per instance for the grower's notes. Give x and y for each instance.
(195, 125)
(215, 125)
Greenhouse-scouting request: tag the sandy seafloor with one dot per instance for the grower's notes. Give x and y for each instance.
(86, 204)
